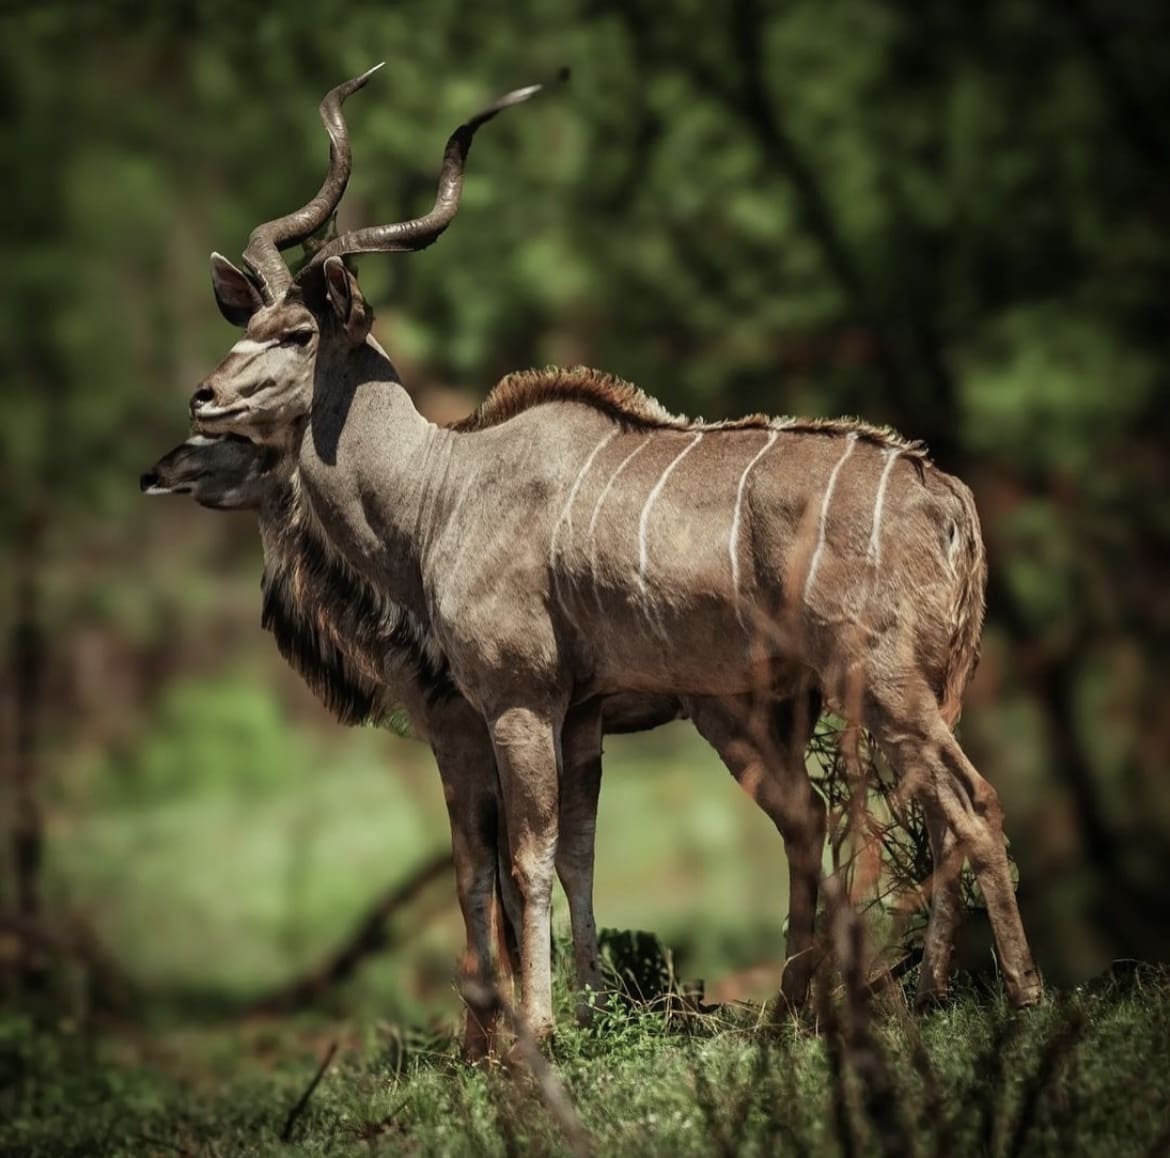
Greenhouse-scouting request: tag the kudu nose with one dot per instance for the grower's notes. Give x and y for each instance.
(201, 397)
(147, 480)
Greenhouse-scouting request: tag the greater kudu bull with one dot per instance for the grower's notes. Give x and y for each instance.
(354, 650)
(585, 542)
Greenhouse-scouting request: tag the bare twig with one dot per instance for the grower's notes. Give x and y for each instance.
(1053, 1058)
(303, 1101)
(368, 937)
(165, 1143)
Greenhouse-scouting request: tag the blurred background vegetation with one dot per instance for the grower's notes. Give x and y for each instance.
(951, 218)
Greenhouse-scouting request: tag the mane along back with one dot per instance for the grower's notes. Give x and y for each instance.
(618, 399)
(632, 408)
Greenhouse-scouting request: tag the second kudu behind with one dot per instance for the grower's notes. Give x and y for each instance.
(585, 542)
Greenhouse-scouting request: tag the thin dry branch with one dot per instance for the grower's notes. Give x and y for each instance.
(303, 1101)
(368, 937)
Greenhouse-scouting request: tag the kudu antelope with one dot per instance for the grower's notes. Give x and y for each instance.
(585, 542)
(361, 656)
(350, 645)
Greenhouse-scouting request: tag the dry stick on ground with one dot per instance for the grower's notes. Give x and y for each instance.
(303, 1100)
(860, 1048)
(486, 1003)
(368, 937)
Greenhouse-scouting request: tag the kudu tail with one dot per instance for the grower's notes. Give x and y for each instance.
(969, 561)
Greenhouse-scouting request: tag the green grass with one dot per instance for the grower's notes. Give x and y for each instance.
(1083, 1074)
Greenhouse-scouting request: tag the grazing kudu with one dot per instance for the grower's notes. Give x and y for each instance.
(353, 649)
(584, 542)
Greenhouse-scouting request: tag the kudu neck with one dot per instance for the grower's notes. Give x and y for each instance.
(365, 460)
(349, 383)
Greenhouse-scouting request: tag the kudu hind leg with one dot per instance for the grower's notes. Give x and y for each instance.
(927, 755)
(763, 742)
(527, 748)
(946, 903)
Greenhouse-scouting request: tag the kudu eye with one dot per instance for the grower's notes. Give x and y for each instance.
(297, 338)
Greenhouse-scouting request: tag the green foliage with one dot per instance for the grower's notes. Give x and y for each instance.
(1049, 385)
(231, 736)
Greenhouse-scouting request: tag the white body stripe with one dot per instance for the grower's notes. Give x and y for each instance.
(566, 516)
(874, 553)
(644, 526)
(851, 442)
(733, 541)
(652, 498)
(248, 346)
(597, 514)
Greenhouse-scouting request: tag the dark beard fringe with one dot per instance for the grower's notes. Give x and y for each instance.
(335, 631)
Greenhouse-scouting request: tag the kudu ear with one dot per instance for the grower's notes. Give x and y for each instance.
(235, 293)
(345, 297)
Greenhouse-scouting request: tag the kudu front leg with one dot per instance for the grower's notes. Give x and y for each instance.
(576, 844)
(472, 797)
(527, 747)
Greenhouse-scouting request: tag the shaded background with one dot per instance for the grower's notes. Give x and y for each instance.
(950, 220)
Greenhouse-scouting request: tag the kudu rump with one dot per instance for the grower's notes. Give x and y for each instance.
(582, 542)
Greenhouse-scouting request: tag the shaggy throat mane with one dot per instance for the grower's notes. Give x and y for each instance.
(335, 631)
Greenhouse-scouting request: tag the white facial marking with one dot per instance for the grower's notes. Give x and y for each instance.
(205, 411)
(597, 514)
(850, 443)
(733, 541)
(204, 439)
(248, 346)
(157, 490)
(874, 554)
